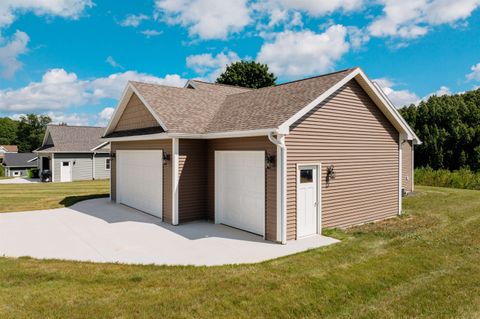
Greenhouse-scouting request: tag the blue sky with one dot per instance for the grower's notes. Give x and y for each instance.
(70, 59)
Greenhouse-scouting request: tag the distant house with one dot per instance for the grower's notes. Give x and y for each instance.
(16, 164)
(4, 149)
(73, 153)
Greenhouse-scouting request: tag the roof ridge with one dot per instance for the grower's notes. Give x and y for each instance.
(222, 84)
(294, 81)
(76, 126)
(157, 84)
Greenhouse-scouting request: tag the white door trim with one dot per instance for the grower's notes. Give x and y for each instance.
(319, 193)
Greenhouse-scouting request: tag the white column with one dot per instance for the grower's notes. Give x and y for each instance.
(175, 166)
(400, 143)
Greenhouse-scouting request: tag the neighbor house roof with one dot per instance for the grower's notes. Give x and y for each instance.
(9, 148)
(20, 160)
(72, 139)
(208, 108)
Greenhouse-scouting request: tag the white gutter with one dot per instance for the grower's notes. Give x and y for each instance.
(279, 141)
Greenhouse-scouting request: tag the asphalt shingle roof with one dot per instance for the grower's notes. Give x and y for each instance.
(73, 138)
(19, 160)
(211, 108)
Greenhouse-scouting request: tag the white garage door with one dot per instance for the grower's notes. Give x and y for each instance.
(139, 180)
(240, 190)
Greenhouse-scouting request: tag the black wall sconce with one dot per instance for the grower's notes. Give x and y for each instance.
(330, 173)
(269, 161)
(112, 155)
(166, 156)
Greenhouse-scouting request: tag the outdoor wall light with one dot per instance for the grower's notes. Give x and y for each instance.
(166, 156)
(112, 155)
(330, 173)
(269, 160)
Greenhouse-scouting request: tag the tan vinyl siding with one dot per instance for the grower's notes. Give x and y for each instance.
(135, 116)
(246, 144)
(166, 146)
(407, 166)
(349, 132)
(192, 184)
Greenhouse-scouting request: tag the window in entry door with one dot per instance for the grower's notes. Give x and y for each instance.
(306, 176)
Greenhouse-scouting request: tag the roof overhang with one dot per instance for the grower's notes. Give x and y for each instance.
(122, 104)
(385, 106)
(163, 136)
(100, 146)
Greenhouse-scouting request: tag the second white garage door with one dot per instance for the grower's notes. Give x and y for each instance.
(140, 180)
(240, 190)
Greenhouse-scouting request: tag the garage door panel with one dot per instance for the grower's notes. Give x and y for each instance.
(140, 180)
(240, 189)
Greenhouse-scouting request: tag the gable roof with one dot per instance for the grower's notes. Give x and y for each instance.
(20, 160)
(9, 148)
(72, 139)
(205, 108)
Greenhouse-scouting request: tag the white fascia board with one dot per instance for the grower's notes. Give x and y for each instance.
(285, 127)
(260, 132)
(33, 159)
(158, 136)
(366, 84)
(99, 146)
(127, 94)
(122, 103)
(412, 136)
(163, 136)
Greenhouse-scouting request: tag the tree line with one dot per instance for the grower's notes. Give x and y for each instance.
(449, 127)
(27, 133)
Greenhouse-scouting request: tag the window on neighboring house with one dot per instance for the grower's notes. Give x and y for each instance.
(107, 164)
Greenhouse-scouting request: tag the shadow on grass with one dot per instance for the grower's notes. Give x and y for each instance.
(70, 200)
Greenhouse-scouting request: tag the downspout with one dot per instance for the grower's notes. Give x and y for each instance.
(279, 141)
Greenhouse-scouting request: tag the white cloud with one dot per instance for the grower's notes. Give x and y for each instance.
(151, 33)
(10, 52)
(399, 98)
(358, 37)
(110, 60)
(71, 9)
(59, 90)
(104, 116)
(210, 66)
(314, 8)
(475, 74)
(207, 19)
(133, 20)
(414, 18)
(302, 53)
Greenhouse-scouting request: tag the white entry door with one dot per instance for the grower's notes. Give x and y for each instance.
(240, 190)
(307, 201)
(65, 171)
(140, 180)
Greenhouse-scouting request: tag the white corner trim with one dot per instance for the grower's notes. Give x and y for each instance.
(281, 164)
(400, 146)
(175, 178)
(52, 169)
(413, 167)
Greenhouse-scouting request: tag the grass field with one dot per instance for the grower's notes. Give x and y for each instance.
(425, 264)
(22, 197)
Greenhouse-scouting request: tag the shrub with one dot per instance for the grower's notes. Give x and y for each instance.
(2, 170)
(463, 178)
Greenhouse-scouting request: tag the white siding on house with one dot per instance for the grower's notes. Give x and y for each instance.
(81, 170)
(100, 171)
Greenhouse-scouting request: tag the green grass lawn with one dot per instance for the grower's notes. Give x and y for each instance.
(425, 264)
(5, 177)
(22, 197)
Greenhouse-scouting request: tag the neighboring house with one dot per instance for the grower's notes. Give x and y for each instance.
(4, 149)
(16, 164)
(73, 153)
(282, 162)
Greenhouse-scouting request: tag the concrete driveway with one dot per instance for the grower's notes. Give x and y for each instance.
(100, 231)
(19, 180)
